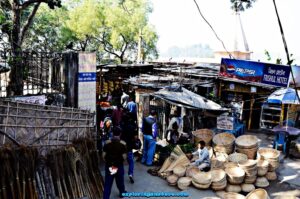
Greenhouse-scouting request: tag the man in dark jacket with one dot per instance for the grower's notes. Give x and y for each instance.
(114, 153)
(149, 129)
(129, 135)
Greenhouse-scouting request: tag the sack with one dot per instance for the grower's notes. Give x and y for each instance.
(137, 144)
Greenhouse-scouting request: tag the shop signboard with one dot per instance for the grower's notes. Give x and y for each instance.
(225, 122)
(87, 81)
(272, 74)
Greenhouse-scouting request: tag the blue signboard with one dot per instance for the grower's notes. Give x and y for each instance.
(273, 74)
(86, 77)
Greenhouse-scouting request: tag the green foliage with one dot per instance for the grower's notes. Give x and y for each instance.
(241, 5)
(268, 55)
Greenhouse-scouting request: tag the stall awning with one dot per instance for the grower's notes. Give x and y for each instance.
(284, 96)
(186, 98)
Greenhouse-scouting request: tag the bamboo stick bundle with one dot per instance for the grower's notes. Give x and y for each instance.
(97, 177)
(62, 173)
(23, 160)
(68, 173)
(16, 155)
(2, 176)
(33, 167)
(7, 162)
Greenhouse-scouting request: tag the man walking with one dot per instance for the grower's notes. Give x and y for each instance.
(149, 129)
(114, 153)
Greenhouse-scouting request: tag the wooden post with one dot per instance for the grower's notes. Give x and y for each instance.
(250, 115)
(220, 90)
(282, 114)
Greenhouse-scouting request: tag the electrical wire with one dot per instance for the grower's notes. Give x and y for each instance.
(230, 55)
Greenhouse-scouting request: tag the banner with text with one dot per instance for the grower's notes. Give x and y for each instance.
(273, 74)
(87, 81)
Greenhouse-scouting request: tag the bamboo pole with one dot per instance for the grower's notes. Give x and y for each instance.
(251, 110)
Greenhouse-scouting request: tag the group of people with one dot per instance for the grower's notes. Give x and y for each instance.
(120, 137)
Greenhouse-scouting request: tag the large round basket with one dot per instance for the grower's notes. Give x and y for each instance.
(223, 142)
(246, 142)
(235, 175)
(220, 193)
(237, 157)
(262, 182)
(269, 154)
(179, 170)
(232, 195)
(230, 164)
(184, 182)
(258, 194)
(217, 175)
(201, 186)
(202, 178)
(205, 135)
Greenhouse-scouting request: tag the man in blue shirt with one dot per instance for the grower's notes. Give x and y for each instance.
(203, 162)
(149, 129)
(131, 107)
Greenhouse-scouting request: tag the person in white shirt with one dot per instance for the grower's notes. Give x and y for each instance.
(203, 162)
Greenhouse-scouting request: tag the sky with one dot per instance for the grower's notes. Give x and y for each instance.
(178, 23)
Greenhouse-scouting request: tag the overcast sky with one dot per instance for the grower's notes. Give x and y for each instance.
(178, 23)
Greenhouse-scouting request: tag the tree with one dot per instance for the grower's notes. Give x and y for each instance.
(125, 23)
(241, 5)
(19, 15)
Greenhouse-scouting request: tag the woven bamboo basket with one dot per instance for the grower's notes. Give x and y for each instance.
(250, 179)
(246, 142)
(191, 171)
(203, 134)
(218, 161)
(247, 188)
(201, 186)
(269, 154)
(235, 175)
(219, 187)
(220, 194)
(261, 171)
(179, 170)
(237, 157)
(217, 175)
(273, 165)
(232, 195)
(223, 142)
(202, 178)
(230, 164)
(233, 188)
(172, 179)
(251, 153)
(184, 182)
(262, 182)
(258, 194)
(271, 176)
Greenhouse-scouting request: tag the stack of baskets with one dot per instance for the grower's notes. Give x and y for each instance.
(250, 168)
(235, 175)
(172, 180)
(262, 167)
(184, 182)
(205, 135)
(202, 180)
(272, 157)
(224, 142)
(262, 182)
(219, 181)
(179, 170)
(248, 145)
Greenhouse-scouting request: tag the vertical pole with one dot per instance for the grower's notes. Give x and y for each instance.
(282, 114)
(250, 115)
(220, 89)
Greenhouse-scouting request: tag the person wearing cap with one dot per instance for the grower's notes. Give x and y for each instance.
(149, 129)
(114, 154)
(203, 162)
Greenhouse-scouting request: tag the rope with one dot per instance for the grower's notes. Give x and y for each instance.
(230, 55)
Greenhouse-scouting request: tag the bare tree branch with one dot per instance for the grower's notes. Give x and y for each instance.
(29, 21)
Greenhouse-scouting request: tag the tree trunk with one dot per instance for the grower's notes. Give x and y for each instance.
(15, 85)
